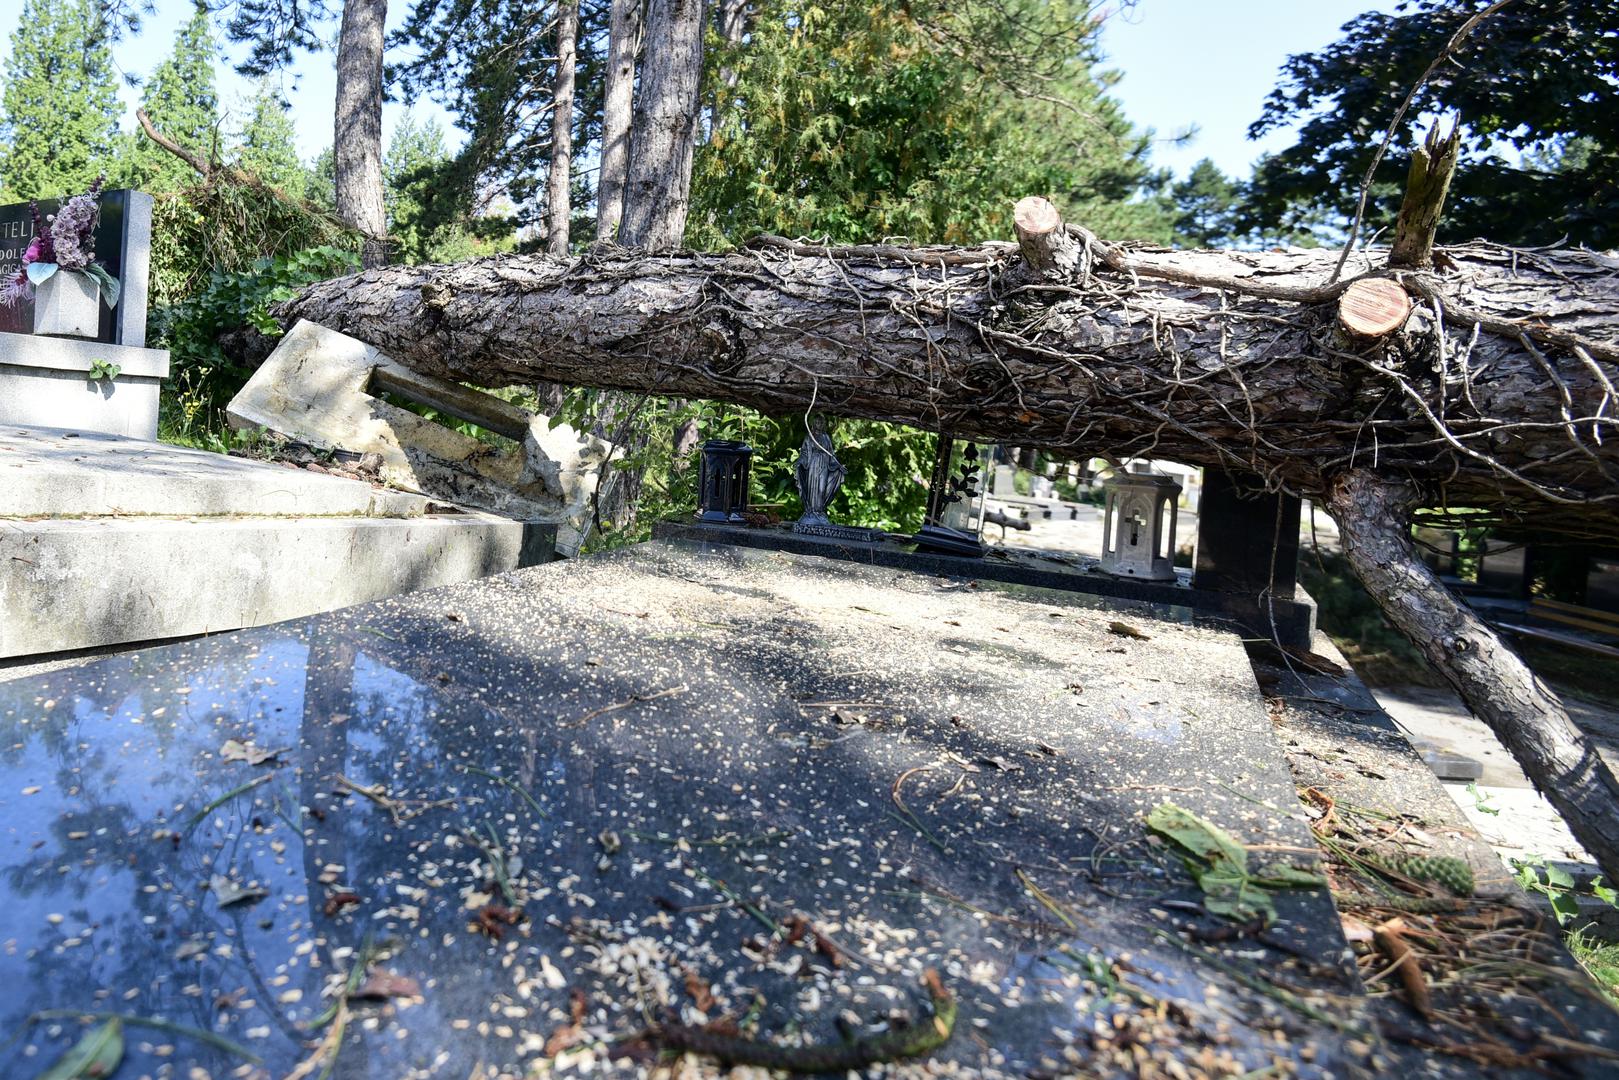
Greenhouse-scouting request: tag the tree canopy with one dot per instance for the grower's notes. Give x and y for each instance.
(924, 120)
(59, 112)
(1536, 86)
(182, 100)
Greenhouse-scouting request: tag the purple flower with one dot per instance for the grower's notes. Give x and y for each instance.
(42, 239)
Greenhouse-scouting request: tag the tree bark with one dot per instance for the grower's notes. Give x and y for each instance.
(1472, 407)
(623, 43)
(558, 208)
(357, 130)
(1527, 717)
(657, 189)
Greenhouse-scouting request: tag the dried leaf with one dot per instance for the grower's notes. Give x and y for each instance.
(385, 984)
(98, 1054)
(229, 892)
(235, 750)
(1124, 629)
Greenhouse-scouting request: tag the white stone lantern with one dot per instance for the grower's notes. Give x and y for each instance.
(1138, 529)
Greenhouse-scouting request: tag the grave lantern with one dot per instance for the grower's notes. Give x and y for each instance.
(723, 482)
(1138, 527)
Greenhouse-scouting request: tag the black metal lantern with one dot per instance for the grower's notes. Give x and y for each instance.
(723, 482)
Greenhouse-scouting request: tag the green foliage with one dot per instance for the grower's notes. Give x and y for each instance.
(1219, 865)
(59, 112)
(183, 103)
(492, 63)
(426, 214)
(1538, 875)
(1536, 86)
(267, 145)
(887, 463)
(860, 122)
(1600, 959)
(203, 375)
(104, 369)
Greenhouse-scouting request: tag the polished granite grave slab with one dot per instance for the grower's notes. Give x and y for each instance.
(675, 783)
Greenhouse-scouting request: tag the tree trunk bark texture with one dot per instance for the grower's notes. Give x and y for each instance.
(1498, 687)
(558, 207)
(623, 43)
(657, 188)
(357, 138)
(1077, 359)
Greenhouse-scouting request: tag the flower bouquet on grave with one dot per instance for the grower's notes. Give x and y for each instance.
(60, 272)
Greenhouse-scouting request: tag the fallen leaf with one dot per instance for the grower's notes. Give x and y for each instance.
(1354, 929)
(192, 948)
(1124, 629)
(98, 1054)
(235, 750)
(229, 892)
(1001, 764)
(338, 901)
(385, 984)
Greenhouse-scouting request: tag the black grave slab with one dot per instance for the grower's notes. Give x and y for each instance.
(677, 749)
(1288, 615)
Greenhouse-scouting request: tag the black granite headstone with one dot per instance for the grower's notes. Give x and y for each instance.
(1247, 539)
(112, 240)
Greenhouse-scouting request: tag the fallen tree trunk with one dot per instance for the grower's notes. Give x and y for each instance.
(1496, 394)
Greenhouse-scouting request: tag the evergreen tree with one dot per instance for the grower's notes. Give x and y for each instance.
(323, 180)
(267, 147)
(1204, 204)
(411, 173)
(183, 103)
(59, 112)
(859, 122)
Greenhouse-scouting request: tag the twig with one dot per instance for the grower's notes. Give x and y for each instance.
(509, 783)
(634, 699)
(225, 798)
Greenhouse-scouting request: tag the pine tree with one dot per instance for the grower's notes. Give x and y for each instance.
(267, 145)
(1204, 204)
(59, 113)
(410, 172)
(912, 120)
(183, 103)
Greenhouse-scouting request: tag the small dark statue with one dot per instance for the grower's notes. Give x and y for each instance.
(820, 474)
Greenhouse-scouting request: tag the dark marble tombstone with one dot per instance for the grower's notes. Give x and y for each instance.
(1247, 538)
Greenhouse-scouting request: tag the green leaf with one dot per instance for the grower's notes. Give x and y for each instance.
(96, 1055)
(1192, 833)
(1219, 865)
(1565, 905)
(1558, 878)
(105, 282)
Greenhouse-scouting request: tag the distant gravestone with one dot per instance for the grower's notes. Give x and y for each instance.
(123, 246)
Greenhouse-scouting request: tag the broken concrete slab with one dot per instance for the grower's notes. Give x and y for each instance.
(326, 389)
(46, 472)
(610, 788)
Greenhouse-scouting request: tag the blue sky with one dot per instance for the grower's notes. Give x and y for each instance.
(1203, 63)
